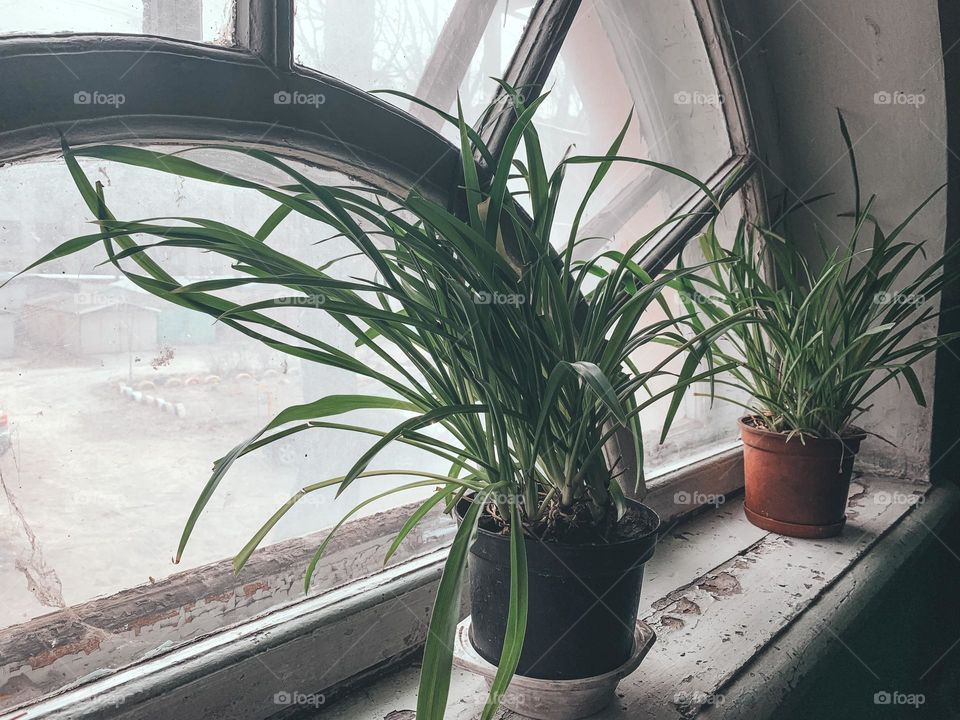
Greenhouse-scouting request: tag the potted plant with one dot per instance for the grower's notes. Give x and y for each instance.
(828, 334)
(522, 355)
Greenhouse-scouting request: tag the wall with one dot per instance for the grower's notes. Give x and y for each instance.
(801, 61)
(52, 328)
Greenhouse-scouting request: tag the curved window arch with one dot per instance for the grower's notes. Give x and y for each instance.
(175, 88)
(96, 88)
(149, 90)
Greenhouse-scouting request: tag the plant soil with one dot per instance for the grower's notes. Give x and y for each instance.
(755, 422)
(575, 526)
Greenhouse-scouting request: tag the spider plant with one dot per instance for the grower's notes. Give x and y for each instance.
(829, 331)
(520, 353)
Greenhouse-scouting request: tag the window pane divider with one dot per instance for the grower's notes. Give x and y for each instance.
(265, 28)
(732, 177)
(549, 23)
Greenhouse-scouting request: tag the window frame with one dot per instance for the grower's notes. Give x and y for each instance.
(373, 141)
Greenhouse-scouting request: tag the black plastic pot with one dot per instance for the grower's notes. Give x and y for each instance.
(583, 601)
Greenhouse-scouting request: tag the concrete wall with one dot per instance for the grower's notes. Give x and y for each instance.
(103, 331)
(803, 60)
(52, 328)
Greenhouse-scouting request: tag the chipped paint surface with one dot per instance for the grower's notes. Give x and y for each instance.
(718, 592)
(722, 584)
(51, 651)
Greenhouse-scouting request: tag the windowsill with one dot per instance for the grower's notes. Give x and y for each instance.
(92, 638)
(163, 625)
(719, 592)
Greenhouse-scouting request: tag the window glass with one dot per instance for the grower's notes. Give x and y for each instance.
(646, 59)
(115, 404)
(619, 56)
(208, 21)
(490, 60)
(702, 426)
(428, 48)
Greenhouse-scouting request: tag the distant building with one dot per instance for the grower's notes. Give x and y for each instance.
(176, 325)
(27, 288)
(90, 323)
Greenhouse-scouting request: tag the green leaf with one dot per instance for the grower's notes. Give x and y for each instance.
(438, 650)
(616, 493)
(412, 521)
(470, 181)
(517, 610)
(853, 161)
(325, 407)
(312, 566)
(427, 418)
(65, 249)
(914, 384)
(591, 159)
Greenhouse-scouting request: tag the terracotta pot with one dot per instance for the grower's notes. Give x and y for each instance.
(793, 487)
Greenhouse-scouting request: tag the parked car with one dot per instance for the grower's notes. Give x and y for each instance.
(4, 433)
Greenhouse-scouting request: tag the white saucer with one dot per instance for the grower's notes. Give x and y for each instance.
(554, 699)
